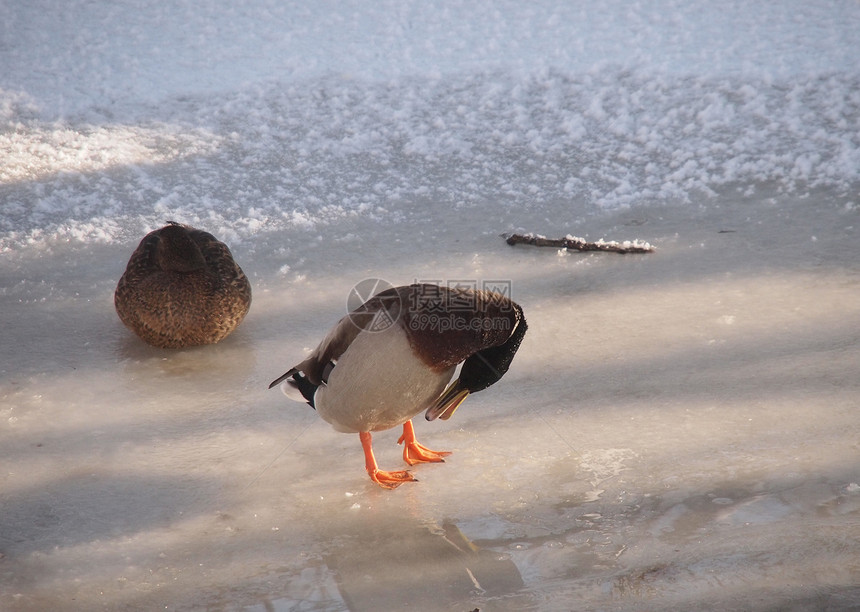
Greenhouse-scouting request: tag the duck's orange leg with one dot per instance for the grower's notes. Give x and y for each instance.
(387, 480)
(413, 452)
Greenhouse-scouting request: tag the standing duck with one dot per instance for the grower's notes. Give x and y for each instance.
(182, 288)
(392, 357)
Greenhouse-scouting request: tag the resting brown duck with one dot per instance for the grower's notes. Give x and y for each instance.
(182, 288)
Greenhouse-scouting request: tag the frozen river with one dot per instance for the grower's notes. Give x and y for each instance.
(679, 430)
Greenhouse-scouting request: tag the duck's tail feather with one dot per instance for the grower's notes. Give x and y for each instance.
(298, 387)
(283, 377)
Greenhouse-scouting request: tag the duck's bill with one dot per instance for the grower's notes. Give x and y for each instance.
(444, 407)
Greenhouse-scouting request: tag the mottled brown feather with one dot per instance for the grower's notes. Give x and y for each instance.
(447, 325)
(171, 298)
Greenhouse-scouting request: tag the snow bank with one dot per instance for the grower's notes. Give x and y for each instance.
(252, 119)
(285, 154)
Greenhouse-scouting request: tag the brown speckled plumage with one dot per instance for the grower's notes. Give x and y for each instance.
(182, 288)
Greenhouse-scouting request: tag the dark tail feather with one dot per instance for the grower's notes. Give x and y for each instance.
(299, 382)
(282, 378)
(305, 387)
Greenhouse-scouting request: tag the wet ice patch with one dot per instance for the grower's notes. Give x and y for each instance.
(604, 464)
(758, 510)
(313, 588)
(666, 522)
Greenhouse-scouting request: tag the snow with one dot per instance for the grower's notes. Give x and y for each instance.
(678, 430)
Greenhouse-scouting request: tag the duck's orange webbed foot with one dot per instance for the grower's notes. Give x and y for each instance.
(386, 480)
(391, 480)
(413, 452)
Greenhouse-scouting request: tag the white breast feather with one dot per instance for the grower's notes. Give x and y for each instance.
(378, 383)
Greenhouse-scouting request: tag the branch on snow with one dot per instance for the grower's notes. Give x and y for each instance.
(579, 244)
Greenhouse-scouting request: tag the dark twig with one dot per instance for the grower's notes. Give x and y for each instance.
(579, 244)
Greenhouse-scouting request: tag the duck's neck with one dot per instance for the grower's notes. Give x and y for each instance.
(486, 367)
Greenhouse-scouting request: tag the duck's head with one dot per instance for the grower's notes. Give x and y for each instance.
(177, 251)
(479, 371)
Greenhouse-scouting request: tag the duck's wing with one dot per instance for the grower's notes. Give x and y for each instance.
(319, 364)
(219, 260)
(142, 261)
(314, 371)
(448, 325)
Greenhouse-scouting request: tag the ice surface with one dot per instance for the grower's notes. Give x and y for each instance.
(678, 431)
